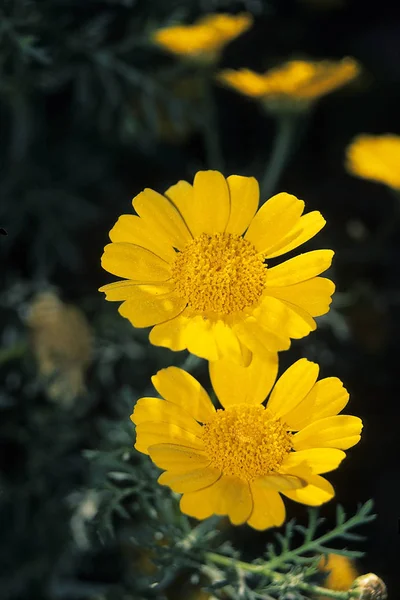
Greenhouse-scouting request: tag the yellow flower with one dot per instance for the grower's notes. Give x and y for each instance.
(376, 157)
(296, 82)
(204, 39)
(236, 461)
(193, 272)
(61, 340)
(341, 572)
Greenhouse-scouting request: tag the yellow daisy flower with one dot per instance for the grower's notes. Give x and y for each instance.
(375, 157)
(296, 83)
(204, 39)
(194, 263)
(236, 461)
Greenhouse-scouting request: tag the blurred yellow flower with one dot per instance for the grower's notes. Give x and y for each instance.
(341, 572)
(236, 461)
(194, 264)
(375, 157)
(62, 343)
(295, 83)
(204, 39)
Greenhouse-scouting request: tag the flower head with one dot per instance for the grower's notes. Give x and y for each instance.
(204, 39)
(236, 461)
(375, 157)
(294, 85)
(194, 263)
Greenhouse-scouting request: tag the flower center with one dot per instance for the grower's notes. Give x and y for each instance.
(221, 273)
(246, 441)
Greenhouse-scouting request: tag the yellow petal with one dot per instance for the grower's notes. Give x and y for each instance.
(307, 227)
(120, 290)
(313, 295)
(177, 459)
(244, 81)
(277, 482)
(247, 355)
(300, 268)
(211, 203)
(191, 481)
(234, 384)
(179, 387)
(268, 507)
(134, 230)
(200, 504)
(300, 322)
(134, 262)
(292, 387)
(342, 431)
(161, 216)
(245, 195)
(170, 334)
(274, 220)
(319, 460)
(259, 340)
(181, 194)
(151, 434)
(279, 316)
(227, 342)
(327, 398)
(161, 411)
(200, 339)
(234, 499)
(317, 492)
(228, 496)
(151, 304)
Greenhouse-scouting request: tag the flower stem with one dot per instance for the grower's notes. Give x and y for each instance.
(286, 127)
(191, 363)
(211, 130)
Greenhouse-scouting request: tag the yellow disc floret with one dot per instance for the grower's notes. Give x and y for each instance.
(221, 273)
(246, 441)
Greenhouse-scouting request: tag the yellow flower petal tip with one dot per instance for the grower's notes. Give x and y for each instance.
(204, 39)
(195, 267)
(375, 157)
(294, 84)
(341, 572)
(240, 459)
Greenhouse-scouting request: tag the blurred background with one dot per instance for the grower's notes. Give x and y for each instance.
(91, 112)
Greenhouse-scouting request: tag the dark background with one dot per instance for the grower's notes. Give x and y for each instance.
(81, 94)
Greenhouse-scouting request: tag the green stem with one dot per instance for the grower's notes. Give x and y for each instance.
(191, 363)
(390, 224)
(279, 578)
(286, 127)
(211, 130)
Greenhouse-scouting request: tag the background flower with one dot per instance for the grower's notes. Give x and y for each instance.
(296, 83)
(61, 340)
(205, 38)
(375, 157)
(238, 461)
(340, 572)
(214, 295)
